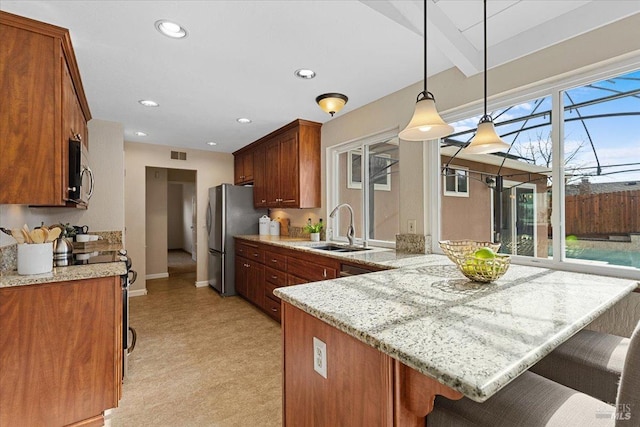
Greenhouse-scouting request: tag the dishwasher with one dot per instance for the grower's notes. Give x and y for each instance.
(347, 270)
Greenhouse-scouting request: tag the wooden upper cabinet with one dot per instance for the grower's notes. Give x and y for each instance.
(43, 101)
(286, 166)
(289, 170)
(259, 177)
(243, 168)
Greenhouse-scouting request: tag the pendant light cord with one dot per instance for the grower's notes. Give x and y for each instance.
(425, 46)
(485, 57)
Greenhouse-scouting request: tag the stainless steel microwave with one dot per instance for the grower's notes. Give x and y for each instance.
(81, 181)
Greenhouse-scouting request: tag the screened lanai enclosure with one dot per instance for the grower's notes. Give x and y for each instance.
(574, 153)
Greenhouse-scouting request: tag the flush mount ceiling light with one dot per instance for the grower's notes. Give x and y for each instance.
(171, 29)
(139, 133)
(305, 73)
(486, 140)
(212, 143)
(148, 103)
(426, 123)
(331, 102)
(243, 120)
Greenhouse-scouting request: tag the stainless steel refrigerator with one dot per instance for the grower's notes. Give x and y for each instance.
(230, 213)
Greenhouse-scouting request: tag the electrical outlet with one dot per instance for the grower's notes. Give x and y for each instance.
(320, 357)
(411, 226)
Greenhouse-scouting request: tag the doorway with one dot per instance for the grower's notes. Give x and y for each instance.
(518, 233)
(170, 222)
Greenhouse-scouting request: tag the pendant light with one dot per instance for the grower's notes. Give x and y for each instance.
(486, 139)
(426, 123)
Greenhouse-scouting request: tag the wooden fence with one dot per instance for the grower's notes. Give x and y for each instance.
(603, 214)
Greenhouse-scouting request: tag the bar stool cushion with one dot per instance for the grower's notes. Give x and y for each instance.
(590, 362)
(528, 401)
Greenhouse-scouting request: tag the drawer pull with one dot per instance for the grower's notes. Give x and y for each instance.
(274, 309)
(274, 260)
(255, 255)
(274, 277)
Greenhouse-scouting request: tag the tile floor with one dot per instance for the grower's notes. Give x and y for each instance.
(200, 360)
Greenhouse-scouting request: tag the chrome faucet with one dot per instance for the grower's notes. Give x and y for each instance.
(351, 232)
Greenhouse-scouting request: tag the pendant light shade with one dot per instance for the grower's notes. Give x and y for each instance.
(331, 102)
(426, 123)
(486, 139)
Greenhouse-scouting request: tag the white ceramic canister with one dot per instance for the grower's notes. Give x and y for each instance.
(264, 222)
(35, 258)
(274, 228)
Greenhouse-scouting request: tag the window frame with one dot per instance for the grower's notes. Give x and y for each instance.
(332, 170)
(456, 192)
(554, 87)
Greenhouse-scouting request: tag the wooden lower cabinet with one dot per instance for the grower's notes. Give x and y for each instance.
(261, 268)
(363, 386)
(358, 390)
(60, 352)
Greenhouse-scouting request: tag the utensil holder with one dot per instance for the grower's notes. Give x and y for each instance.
(35, 258)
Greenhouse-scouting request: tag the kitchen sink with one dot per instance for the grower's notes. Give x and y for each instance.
(339, 248)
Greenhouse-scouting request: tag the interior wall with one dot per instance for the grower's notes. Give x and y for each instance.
(175, 217)
(212, 169)
(106, 208)
(156, 220)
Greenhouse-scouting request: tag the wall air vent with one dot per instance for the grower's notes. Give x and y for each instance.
(178, 155)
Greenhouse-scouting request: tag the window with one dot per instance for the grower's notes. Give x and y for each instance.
(369, 184)
(456, 182)
(568, 189)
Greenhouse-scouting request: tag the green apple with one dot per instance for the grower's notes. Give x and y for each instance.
(484, 253)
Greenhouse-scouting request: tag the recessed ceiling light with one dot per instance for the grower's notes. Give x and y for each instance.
(212, 143)
(139, 133)
(171, 29)
(243, 120)
(305, 73)
(148, 103)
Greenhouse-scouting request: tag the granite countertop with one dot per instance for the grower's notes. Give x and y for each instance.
(63, 274)
(375, 256)
(474, 338)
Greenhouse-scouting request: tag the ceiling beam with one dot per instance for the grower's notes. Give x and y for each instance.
(586, 18)
(442, 33)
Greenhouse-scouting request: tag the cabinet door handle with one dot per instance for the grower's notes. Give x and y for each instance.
(324, 273)
(288, 201)
(264, 201)
(71, 189)
(255, 255)
(274, 260)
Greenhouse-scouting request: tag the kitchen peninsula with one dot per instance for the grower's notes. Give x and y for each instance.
(61, 345)
(394, 339)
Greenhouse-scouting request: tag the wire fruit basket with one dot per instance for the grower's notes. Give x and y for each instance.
(478, 269)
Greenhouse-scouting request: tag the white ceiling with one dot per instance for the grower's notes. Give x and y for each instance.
(239, 57)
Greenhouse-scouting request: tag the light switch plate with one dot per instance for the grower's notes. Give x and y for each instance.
(411, 226)
(320, 357)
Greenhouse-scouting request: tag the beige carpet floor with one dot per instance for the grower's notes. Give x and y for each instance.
(200, 360)
(179, 262)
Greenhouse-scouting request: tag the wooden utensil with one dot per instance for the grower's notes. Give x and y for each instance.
(16, 233)
(45, 231)
(54, 233)
(37, 235)
(27, 237)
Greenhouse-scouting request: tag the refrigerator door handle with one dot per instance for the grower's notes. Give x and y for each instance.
(208, 218)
